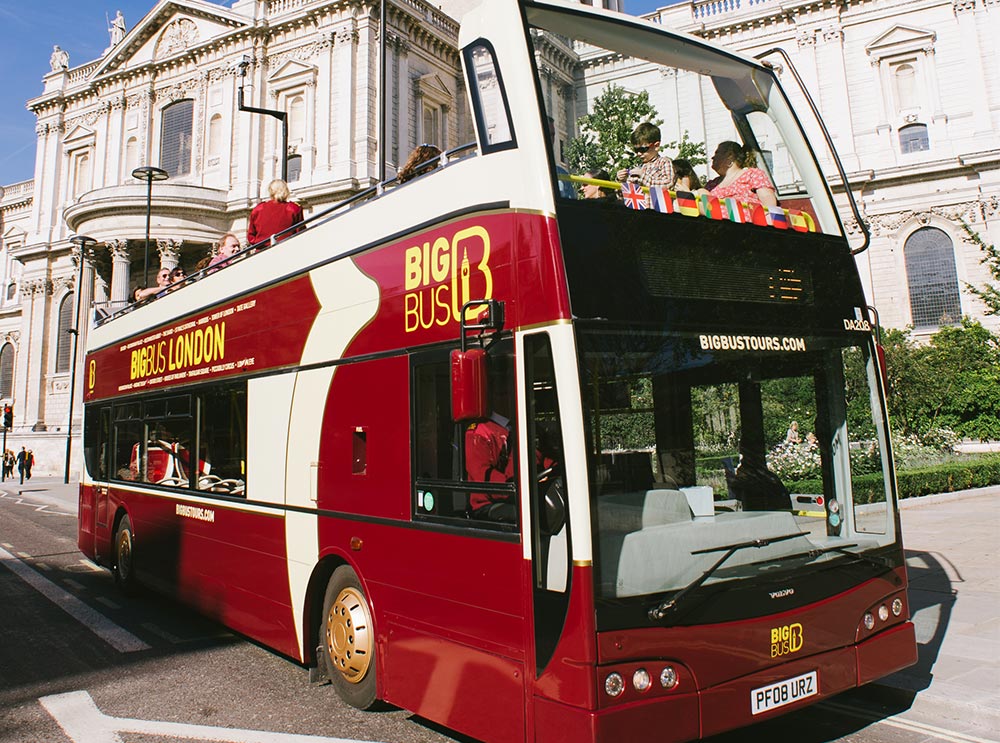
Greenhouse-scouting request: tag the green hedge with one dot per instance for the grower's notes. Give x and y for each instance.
(942, 478)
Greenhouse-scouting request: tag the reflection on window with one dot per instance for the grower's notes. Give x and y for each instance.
(913, 138)
(932, 278)
(175, 138)
(64, 340)
(7, 370)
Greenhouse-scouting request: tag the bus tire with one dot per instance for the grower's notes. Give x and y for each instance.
(123, 567)
(347, 640)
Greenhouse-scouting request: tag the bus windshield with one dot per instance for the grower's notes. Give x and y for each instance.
(699, 95)
(701, 442)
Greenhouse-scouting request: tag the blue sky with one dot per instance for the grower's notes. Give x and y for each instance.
(28, 30)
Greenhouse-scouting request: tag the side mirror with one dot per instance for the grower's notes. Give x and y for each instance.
(469, 392)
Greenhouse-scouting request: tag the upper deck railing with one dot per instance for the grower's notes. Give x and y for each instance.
(108, 311)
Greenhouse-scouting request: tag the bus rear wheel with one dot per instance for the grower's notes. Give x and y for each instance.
(124, 565)
(348, 640)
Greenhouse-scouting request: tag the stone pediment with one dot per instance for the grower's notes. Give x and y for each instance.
(291, 72)
(171, 28)
(901, 40)
(78, 136)
(432, 86)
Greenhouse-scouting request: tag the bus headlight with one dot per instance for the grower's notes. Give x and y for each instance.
(897, 606)
(641, 680)
(614, 684)
(668, 677)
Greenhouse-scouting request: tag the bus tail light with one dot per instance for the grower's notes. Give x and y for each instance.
(641, 680)
(668, 677)
(614, 684)
(881, 615)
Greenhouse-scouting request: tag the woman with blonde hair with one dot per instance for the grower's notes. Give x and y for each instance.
(274, 215)
(417, 163)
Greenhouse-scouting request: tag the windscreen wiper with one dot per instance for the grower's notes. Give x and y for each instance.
(844, 549)
(659, 612)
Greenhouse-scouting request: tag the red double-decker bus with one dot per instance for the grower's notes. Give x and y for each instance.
(517, 461)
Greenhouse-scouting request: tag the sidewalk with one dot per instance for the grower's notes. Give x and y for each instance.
(951, 559)
(951, 552)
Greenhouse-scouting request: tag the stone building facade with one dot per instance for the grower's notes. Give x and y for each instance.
(910, 90)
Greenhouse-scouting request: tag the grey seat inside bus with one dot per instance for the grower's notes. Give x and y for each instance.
(659, 558)
(627, 512)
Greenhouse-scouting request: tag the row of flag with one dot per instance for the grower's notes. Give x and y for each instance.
(690, 205)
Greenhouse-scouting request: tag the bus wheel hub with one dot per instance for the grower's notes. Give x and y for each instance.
(348, 635)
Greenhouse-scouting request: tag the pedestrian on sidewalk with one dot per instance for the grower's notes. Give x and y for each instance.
(29, 462)
(22, 458)
(8, 464)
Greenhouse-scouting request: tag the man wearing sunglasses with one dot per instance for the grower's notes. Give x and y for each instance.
(653, 170)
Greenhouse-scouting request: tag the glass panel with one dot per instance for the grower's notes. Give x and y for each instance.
(701, 442)
(6, 370)
(697, 98)
(64, 341)
(175, 138)
(932, 278)
(490, 97)
(222, 441)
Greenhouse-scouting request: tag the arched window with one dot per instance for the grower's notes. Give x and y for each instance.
(913, 138)
(131, 156)
(7, 370)
(297, 120)
(215, 135)
(64, 342)
(175, 138)
(906, 87)
(932, 278)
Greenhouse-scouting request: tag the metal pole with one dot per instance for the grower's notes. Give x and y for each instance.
(281, 116)
(381, 128)
(148, 173)
(81, 241)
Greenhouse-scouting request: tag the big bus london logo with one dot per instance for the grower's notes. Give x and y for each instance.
(786, 639)
(442, 274)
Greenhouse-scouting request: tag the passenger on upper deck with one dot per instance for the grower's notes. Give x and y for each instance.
(419, 162)
(593, 191)
(162, 282)
(653, 170)
(274, 215)
(686, 178)
(740, 179)
(229, 245)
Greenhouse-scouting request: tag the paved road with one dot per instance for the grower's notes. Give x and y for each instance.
(158, 662)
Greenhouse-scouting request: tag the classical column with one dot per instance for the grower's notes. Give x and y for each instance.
(37, 294)
(120, 277)
(170, 252)
(86, 299)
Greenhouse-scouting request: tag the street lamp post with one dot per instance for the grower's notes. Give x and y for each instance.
(81, 242)
(148, 173)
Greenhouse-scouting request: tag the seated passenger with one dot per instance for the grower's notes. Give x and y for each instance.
(593, 191)
(229, 245)
(419, 162)
(739, 178)
(162, 282)
(686, 178)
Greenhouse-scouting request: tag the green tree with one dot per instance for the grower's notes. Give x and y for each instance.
(988, 293)
(605, 135)
(693, 152)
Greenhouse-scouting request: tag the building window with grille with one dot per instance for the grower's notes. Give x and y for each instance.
(64, 342)
(175, 137)
(913, 138)
(935, 298)
(7, 371)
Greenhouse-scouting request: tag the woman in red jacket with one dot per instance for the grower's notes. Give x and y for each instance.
(272, 216)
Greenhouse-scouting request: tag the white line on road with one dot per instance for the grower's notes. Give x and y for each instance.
(120, 639)
(953, 736)
(83, 722)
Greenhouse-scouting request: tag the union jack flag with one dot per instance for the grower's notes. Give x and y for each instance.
(633, 196)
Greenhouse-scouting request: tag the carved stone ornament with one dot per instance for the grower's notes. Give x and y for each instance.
(12, 336)
(176, 37)
(118, 249)
(968, 212)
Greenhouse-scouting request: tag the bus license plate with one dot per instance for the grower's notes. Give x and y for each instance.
(784, 692)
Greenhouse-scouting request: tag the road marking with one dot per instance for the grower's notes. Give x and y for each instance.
(108, 602)
(83, 722)
(91, 566)
(117, 637)
(953, 736)
(74, 585)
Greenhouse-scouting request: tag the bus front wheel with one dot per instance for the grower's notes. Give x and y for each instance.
(348, 639)
(124, 565)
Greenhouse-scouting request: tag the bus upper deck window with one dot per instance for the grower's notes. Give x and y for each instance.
(489, 97)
